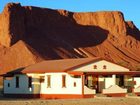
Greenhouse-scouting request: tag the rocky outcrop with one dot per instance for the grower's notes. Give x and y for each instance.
(18, 55)
(12, 24)
(111, 21)
(59, 34)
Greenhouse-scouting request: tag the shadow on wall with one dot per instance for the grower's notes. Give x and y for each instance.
(16, 88)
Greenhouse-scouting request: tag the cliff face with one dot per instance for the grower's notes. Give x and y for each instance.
(56, 34)
(19, 55)
(12, 27)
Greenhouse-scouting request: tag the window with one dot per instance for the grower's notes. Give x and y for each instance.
(30, 82)
(120, 79)
(95, 66)
(63, 80)
(17, 82)
(86, 80)
(48, 81)
(8, 84)
(104, 67)
(42, 79)
(74, 84)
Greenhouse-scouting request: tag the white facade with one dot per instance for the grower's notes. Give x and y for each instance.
(114, 89)
(74, 85)
(109, 81)
(110, 67)
(137, 81)
(89, 91)
(103, 82)
(136, 85)
(56, 84)
(41, 87)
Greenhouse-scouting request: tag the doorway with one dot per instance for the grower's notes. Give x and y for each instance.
(91, 82)
(120, 80)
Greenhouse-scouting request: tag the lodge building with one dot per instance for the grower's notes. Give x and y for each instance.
(71, 78)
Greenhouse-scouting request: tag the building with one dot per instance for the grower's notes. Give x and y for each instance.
(71, 78)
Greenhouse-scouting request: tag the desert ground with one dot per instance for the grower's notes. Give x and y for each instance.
(98, 100)
(131, 100)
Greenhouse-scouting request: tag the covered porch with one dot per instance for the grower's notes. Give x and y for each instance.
(113, 83)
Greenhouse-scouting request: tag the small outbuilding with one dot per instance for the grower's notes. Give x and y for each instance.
(71, 78)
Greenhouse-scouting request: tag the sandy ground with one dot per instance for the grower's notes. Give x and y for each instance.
(129, 100)
(132, 100)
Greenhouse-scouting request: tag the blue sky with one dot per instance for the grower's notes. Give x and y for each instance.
(130, 8)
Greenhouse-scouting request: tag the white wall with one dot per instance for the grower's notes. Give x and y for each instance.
(114, 89)
(109, 81)
(89, 91)
(110, 67)
(56, 84)
(37, 87)
(137, 79)
(23, 85)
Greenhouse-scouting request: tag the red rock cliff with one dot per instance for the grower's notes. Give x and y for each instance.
(57, 34)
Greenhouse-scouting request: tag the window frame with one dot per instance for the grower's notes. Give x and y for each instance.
(74, 84)
(8, 84)
(48, 81)
(63, 81)
(29, 82)
(42, 79)
(17, 81)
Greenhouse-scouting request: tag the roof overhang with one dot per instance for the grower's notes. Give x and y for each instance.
(134, 73)
(7, 75)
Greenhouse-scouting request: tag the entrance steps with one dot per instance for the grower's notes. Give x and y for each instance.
(100, 95)
(131, 94)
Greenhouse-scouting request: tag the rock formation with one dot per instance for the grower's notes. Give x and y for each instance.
(60, 34)
(16, 56)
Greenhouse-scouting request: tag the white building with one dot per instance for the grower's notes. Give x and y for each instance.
(71, 78)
